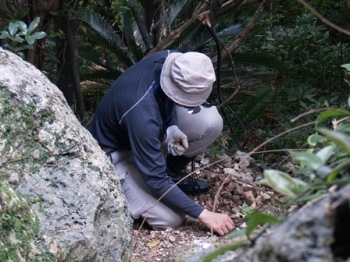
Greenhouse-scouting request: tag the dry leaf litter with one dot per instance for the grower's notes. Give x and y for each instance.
(235, 181)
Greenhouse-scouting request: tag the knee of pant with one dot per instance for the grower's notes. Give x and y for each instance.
(214, 126)
(166, 221)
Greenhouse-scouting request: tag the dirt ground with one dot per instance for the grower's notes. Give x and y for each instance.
(233, 191)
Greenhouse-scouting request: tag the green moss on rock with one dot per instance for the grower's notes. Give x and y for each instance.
(18, 124)
(18, 226)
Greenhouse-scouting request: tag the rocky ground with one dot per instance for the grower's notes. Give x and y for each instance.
(233, 191)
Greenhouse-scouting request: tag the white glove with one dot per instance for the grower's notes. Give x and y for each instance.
(176, 140)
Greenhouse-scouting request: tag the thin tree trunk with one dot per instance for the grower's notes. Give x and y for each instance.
(68, 79)
(72, 51)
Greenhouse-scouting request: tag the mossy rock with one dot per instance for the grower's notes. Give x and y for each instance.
(18, 226)
(61, 199)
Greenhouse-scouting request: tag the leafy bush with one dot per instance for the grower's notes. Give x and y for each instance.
(326, 163)
(21, 37)
(308, 79)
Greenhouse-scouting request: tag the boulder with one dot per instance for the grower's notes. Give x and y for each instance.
(60, 199)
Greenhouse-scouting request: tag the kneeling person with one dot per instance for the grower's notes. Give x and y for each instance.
(152, 122)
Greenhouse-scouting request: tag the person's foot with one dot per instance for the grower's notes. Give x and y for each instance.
(190, 185)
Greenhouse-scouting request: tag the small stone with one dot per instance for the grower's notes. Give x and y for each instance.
(265, 196)
(249, 197)
(172, 238)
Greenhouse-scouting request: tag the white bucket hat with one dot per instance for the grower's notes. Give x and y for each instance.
(187, 78)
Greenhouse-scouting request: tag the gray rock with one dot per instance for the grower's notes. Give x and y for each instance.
(50, 159)
(317, 232)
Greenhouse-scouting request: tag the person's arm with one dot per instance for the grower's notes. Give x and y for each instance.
(144, 132)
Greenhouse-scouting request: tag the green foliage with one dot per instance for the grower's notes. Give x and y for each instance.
(255, 105)
(21, 37)
(259, 218)
(25, 141)
(325, 163)
(254, 219)
(283, 183)
(224, 249)
(18, 226)
(301, 62)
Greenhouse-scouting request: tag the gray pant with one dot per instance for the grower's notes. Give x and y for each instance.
(201, 128)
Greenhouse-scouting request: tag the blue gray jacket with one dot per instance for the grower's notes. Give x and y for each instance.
(133, 115)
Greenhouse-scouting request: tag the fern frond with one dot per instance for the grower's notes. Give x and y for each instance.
(255, 106)
(107, 35)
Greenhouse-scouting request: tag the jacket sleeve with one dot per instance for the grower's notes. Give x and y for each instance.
(143, 124)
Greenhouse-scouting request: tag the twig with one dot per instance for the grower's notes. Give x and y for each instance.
(277, 136)
(261, 145)
(323, 19)
(336, 122)
(216, 198)
(312, 111)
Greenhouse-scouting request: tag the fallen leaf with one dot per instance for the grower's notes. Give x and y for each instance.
(154, 243)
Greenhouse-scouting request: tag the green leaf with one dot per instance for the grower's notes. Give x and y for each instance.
(310, 160)
(13, 27)
(259, 218)
(39, 35)
(33, 25)
(349, 101)
(224, 249)
(283, 183)
(344, 165)
(315, 138)
(23, 27)
(8, 47)
(241, 232)
(346, 67)
(18, 39)
(324, 171)
(325, 153)
(308, 197)
(344, 127)
(246, 210)
(21, 55)
(23, 47)
(30, 39)
(343, 141)
(4, 35)
(331, 113)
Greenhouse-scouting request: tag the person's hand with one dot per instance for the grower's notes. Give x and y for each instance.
(220, 223)
(176, 140)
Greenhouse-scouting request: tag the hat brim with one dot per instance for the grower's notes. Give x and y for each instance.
(172, 91)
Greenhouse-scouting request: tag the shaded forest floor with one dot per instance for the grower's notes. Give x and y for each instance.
(233, 191)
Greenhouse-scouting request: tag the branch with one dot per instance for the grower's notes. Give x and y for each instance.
(323, 19)
(246, 31)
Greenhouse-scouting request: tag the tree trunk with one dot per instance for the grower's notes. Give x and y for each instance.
(68, 70)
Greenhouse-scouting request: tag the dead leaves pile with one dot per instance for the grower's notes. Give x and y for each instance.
(170, 245)
(233, 188)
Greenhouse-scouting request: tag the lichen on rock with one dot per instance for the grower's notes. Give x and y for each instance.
(58, 169)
